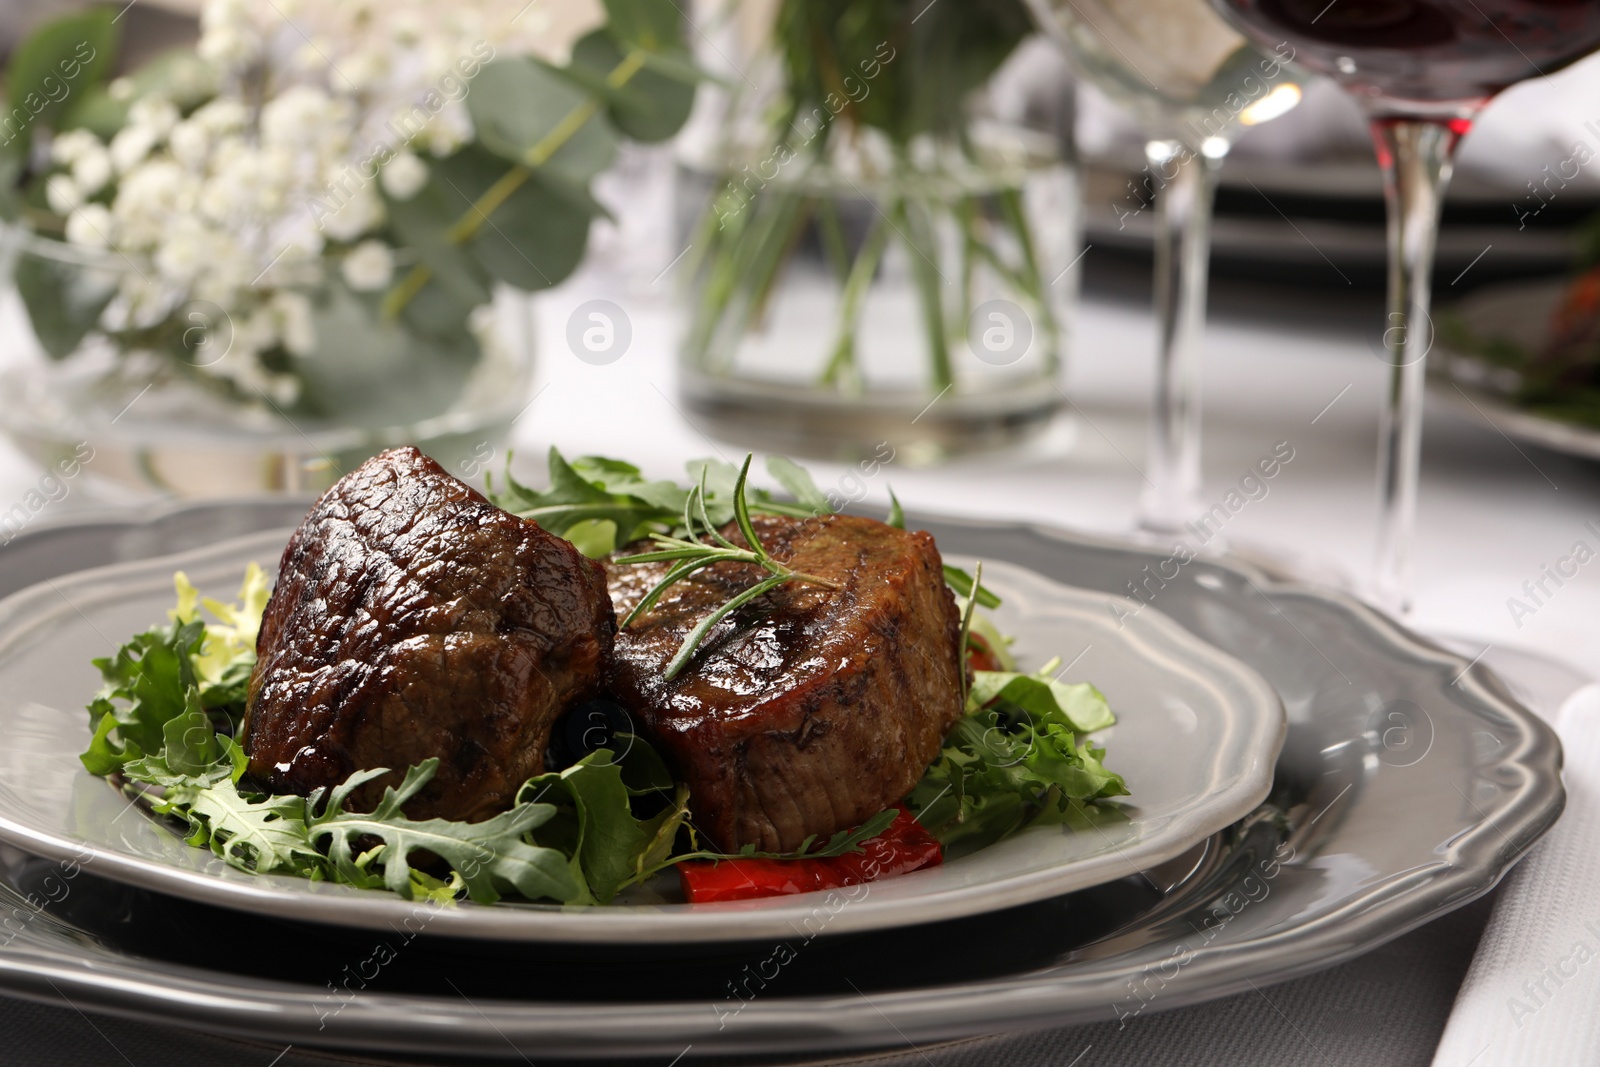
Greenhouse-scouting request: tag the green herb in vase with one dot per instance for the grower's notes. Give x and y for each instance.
(879, 234)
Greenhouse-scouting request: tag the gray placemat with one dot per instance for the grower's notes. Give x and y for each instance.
(1385, 1008)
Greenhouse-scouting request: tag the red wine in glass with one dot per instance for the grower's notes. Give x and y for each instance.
(1424, 57)
(1422, 69)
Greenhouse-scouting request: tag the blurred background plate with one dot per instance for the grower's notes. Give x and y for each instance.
(1518, 313)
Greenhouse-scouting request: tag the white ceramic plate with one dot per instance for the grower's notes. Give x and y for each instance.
(1197, 739)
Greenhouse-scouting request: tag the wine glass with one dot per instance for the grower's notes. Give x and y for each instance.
(1192, 83)
(1422, 69)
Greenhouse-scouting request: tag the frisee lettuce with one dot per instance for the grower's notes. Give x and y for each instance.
(1019, 757)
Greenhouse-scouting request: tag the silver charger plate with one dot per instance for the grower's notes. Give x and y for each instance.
(1197, 739)
(1409, 782)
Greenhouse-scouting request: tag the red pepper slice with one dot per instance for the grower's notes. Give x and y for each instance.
(904, 847)
(981, 655)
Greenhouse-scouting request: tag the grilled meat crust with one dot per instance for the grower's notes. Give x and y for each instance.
(413, 619)
(809, 709)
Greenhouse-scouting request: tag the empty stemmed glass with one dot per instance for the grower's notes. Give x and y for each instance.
(1422, 69)
(1192, 83)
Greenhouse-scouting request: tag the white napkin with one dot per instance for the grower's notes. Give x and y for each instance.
(1532, 995)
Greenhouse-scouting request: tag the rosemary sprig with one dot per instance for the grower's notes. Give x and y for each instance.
(973, 595)
(690, 553)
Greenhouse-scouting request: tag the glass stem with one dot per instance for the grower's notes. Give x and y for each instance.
(1415, 157)
(1182, 258)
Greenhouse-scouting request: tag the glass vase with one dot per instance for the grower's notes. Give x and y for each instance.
(850, 285)
(164, 412)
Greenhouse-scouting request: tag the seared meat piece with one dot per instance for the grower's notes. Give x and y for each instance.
(809, 709)
(412, 618)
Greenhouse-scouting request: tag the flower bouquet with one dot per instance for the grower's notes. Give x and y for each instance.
(300, 227)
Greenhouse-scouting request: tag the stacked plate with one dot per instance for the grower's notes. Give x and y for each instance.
(1308, 780)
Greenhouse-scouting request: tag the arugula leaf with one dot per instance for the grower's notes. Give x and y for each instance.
(961, 582)
(147, 684)
(589, 492)
(797, 481)
(606, 840)
(252, 833)
(490, 856)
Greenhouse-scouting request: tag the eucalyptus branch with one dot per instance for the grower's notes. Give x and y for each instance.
(692, 553)
(473, 219)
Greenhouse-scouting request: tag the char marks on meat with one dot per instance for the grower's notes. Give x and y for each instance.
(810, 709)
(414, 619)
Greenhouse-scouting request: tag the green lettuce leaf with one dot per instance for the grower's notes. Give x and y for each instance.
(491, 856)
(1020, 757)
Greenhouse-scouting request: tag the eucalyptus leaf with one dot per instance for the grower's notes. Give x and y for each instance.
(535, 238)
(655, 25)
(532, 115)
(368, 370)
(423, 223)
(651, 106)
(52, 69)
(64, 300)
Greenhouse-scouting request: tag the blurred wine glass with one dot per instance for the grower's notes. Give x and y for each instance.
(1423, 70)
(1193, 84)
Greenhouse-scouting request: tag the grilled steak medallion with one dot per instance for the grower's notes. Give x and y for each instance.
(809, 709)
(412, 618)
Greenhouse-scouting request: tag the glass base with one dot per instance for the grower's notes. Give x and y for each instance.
(818, 424)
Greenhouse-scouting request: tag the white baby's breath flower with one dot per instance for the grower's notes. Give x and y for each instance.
(121, 89)
(295, 325)
(70, 146)
(222, 115)
(365, 68)
(150, 199)
(301, 116)
(154, 114)
(62, 194)
(130, 146)
(188, 250)
(190, 143)
(92, 169)
(447, 131)
(246, 183)
(404, 176)
(90, 226)
(229, 36)
(368, 266)
(352, 217)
